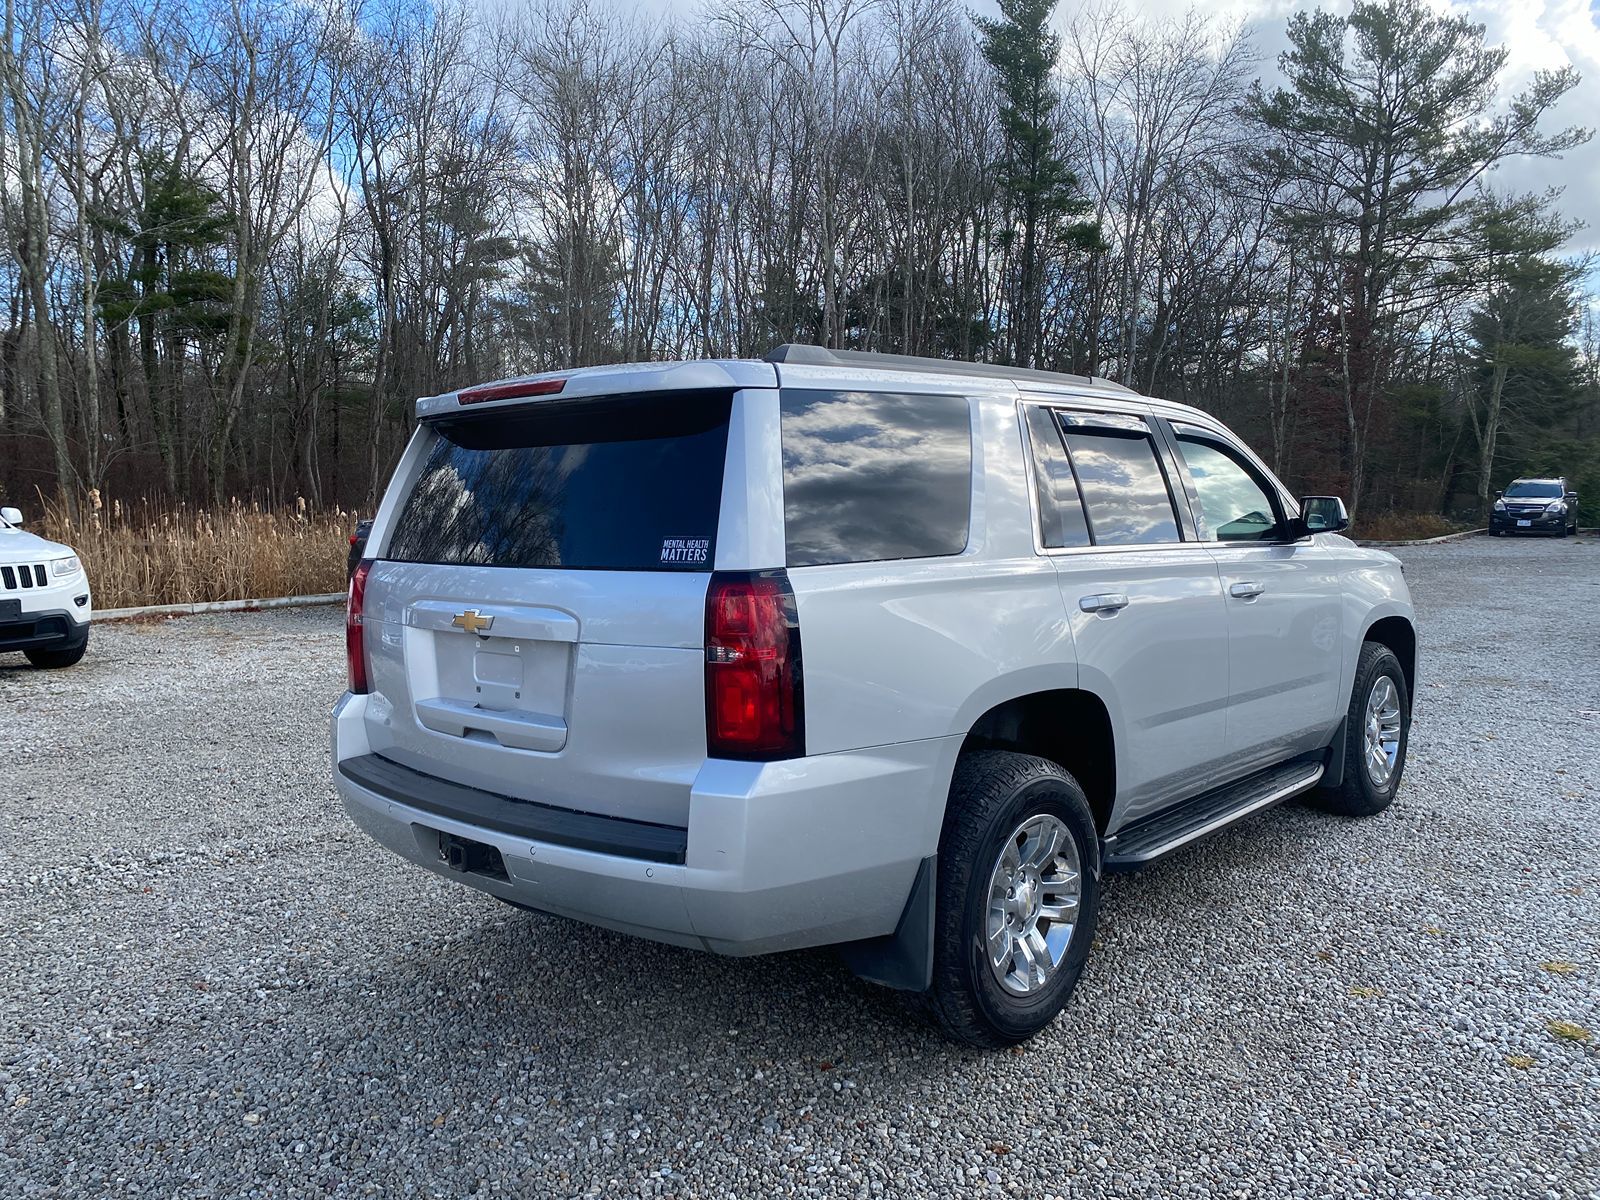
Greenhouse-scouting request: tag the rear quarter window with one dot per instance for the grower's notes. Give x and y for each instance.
(870, 476)
(624, 485)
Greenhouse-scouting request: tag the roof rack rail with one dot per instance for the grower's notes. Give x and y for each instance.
(821, 356)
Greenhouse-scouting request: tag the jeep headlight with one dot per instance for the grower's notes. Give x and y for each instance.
(1499, 506)
(66, 566)
(1558, 507)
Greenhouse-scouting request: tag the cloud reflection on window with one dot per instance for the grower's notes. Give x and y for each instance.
(1123, 487)
(1233, 507)
(870, 476)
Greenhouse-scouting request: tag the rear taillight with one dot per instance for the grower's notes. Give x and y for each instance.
(755, 705)
(355, 645)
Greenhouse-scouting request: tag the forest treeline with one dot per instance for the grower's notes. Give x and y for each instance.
(246, 234)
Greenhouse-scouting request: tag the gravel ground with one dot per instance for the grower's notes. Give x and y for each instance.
(214, 987)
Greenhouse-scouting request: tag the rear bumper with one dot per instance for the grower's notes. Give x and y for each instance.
(776, 856)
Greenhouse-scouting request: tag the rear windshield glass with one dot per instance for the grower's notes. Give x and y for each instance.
(874, 475)
(622, 485)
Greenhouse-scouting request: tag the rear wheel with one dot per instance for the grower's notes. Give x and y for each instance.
(54, 660)
(1018, 897)
(1377, 729)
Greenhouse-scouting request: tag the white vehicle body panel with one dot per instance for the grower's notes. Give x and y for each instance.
(33, 584)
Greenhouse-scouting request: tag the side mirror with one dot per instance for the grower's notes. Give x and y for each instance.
(1498, 494)
(1323, 514)
(1572, 497)
(11, 516)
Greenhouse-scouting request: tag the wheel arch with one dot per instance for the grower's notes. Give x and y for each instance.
(1400, 636)
(1068, 726)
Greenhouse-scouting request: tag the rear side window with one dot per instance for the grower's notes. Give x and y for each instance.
(1124, 489)
(874, 475)
(623, 485)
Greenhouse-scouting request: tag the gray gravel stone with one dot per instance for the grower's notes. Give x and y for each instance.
(214, 987)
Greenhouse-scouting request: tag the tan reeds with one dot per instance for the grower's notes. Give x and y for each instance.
(145, 553)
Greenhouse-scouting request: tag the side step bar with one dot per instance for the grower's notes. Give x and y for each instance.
(1165, 832)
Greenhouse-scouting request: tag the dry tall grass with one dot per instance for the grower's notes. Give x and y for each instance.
(152, 554)
(1405, 527)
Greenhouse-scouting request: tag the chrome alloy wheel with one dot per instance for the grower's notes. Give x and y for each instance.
(1034, 895)
(1382, 730)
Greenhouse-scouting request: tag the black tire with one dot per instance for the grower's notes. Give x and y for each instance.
(992, 794)
(1358, 795)
(55, 660)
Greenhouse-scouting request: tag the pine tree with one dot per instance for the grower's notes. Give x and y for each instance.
(1041, 191)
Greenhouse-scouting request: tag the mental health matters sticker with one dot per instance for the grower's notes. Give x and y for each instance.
(685, 552)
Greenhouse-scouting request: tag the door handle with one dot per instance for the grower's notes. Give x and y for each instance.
(1108, 602)
(1246, 591)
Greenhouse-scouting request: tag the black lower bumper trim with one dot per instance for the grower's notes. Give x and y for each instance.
(52, 630)
(520, 818)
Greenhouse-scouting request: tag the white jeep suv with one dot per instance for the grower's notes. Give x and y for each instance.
(893, 654)
(44, 597)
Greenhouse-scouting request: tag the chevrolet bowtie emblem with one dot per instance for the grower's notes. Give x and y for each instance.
(472, 621)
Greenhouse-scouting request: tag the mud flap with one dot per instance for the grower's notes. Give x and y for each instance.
(1333, 772)
(904, 958)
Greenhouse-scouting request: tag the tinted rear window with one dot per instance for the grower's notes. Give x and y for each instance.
(874, 475)
(1122, 483)
(623, 485)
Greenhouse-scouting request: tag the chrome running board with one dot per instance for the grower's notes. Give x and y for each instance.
(1165, 832)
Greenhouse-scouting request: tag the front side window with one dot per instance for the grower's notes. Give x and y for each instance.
(870, 476)
(1124, 490)
(1234, 507)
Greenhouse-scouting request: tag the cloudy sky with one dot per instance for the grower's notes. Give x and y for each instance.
(1540, 35)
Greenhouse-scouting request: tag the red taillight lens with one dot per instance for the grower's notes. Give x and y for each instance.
(754, 701)
(355, 646)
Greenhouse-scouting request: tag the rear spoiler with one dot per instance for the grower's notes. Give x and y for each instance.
(597, 382)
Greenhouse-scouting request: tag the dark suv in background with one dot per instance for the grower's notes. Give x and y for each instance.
(1535, 506)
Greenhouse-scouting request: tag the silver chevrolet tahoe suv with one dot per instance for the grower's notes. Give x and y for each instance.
(892, 654)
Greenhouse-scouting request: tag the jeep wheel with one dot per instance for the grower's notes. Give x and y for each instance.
(53, 660)
(1018, 895)
(1377, 728)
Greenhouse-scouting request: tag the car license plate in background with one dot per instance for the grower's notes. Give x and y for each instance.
(1524, 524)
(10, 610)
